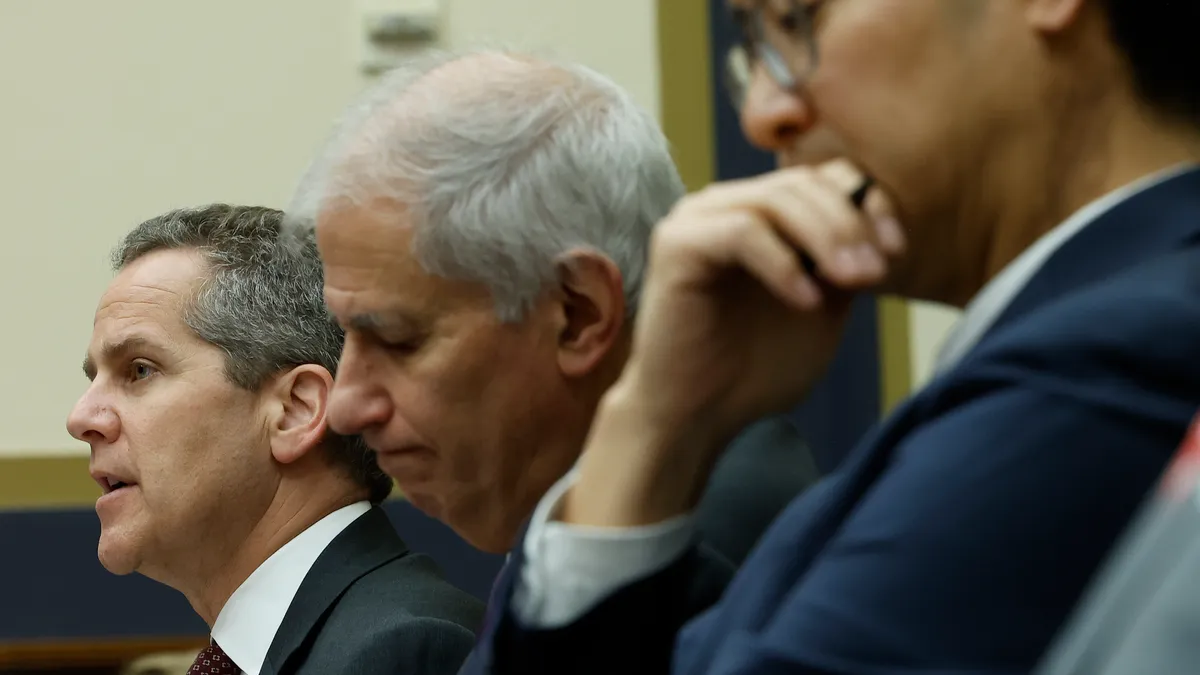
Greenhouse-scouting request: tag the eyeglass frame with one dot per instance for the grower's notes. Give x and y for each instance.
(754, 46)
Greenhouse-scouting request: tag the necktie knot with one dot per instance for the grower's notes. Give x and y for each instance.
(213, 661)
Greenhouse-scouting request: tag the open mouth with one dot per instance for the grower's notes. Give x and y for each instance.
(111, 484)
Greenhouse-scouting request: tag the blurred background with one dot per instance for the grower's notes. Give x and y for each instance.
(116, 111)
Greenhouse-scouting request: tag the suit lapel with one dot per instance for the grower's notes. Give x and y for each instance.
(367, 544)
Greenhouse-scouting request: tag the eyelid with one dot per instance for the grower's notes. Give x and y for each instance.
(394, 334)
(134, 363)
(408, 341)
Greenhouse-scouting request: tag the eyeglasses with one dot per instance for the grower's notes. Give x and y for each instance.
(780, 35)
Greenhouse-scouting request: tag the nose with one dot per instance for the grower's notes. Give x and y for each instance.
(93, 421)
(773, 118)
(358, 402)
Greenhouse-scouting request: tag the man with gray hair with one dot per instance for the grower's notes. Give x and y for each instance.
(483, 219)
(211, 364)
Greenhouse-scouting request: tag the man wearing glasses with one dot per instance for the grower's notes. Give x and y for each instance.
(1033, 162)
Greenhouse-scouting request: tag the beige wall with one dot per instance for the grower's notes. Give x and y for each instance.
(928, 326)
(114, 111)
(617, 37)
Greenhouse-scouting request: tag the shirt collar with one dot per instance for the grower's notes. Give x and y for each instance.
(991, 302)
(246, 625)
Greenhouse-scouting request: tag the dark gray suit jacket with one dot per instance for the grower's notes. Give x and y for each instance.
(763, 470)
(370, 606)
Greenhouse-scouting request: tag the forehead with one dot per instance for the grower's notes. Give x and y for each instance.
(369, 264)
(150, 292)
(371, 236)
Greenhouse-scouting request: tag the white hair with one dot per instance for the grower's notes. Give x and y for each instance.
(501, 173)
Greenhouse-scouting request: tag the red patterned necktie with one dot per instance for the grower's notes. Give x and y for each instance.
(213, 661)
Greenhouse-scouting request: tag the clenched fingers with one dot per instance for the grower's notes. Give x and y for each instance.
(769, 224)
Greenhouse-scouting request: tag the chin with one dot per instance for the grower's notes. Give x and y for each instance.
(117, 553)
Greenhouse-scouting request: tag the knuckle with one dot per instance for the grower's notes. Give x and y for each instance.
(839, 167)
(795, 175)
(844, 178)
(671, 234)
(677, 212)
(796, 170)
(740, 224)
(663, 232)
(711, 194)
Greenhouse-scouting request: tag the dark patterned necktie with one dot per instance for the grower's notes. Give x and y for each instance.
(213, 661)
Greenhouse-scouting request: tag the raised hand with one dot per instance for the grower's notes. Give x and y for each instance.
(731, 328)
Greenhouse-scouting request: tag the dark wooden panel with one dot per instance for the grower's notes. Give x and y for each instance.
(64, 657)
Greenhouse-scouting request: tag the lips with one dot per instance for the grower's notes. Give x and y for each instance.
(407, 463)
(112, 482)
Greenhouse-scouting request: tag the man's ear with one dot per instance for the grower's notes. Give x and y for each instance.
(592, 299)
(1053, 16)
(302, 400)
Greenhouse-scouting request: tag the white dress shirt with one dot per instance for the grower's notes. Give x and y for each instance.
(247, 624)
(569, 569)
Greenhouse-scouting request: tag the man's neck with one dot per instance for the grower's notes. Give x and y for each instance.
(290, 514)
(1112, 149)
(560, 443)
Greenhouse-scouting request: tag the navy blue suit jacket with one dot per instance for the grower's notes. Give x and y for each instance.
(960, 533)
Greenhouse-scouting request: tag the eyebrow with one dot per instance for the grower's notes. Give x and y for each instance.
(111, 351)
(374, 322)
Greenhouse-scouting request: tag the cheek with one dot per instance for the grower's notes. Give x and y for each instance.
(470, 389)
(486, 396)
(174, 470)
(197, 455)
(900, 124)
(877, 61)
(524, 394)
(863, 104)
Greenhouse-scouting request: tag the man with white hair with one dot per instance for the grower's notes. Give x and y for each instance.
(483, 220)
